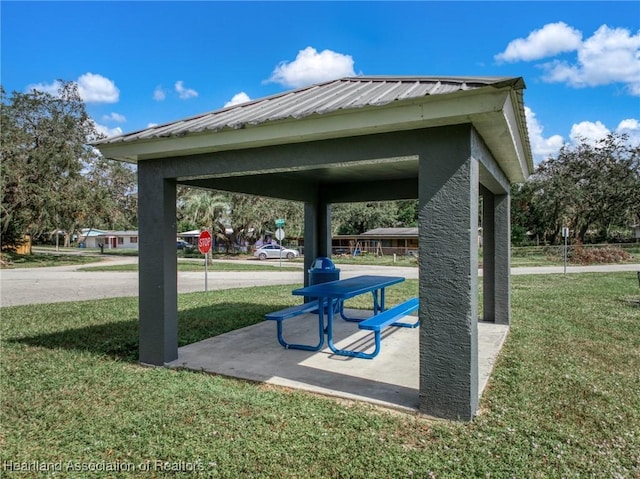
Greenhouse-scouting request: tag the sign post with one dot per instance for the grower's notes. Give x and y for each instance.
(280, 237)
(204, 245)
(565, 235)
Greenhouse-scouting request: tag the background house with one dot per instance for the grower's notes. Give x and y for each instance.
(90, 237)
(380, 241)
(93, 238)
(383, 241)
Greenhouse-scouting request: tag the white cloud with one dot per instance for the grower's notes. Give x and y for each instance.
(159, 94)
(541, 147)
(312, 67)
(105, 130)
(92, 88)
(184, 93)
(592, 132)
(550, 40)
(150, 125)
(629, 124)
(610, 55)
(116, 117)
(630, 127)
(238, 98)
(586, 131)
(50, 88)
(589, 132)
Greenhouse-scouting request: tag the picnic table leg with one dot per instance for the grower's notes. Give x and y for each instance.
(306, 347)
(378, 300)
(348, 352)
(344, 316)
(378, 306)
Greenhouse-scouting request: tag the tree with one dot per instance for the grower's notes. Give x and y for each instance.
(51, 179)
(236, 219)
(44, 154)
(591, 189)
(252, 217)
(407, 213)
(109, 196)
(356, 218)
(206, 209)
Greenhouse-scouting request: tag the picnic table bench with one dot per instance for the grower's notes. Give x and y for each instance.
(292, 312)
(330, 299)
(378, 322)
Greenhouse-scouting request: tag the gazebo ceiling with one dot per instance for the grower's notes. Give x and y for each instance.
(349, 107)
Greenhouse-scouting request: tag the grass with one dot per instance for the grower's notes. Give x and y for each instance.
(41, 260)
(564, 400)
(554, 255)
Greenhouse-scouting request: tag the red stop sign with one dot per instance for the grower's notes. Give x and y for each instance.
(204, 242)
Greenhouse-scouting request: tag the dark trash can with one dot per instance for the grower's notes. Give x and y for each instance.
(323, 271)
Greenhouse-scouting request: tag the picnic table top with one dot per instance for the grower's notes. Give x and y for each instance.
(348, 288)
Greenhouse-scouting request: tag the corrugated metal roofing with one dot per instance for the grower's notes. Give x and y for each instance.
(323, 98)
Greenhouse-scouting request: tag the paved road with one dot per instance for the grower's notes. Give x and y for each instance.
(67, 283)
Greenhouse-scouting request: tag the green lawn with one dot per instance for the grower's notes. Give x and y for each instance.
(564, 400)
(44, 260)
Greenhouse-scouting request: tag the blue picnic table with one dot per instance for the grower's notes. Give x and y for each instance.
(328, 299)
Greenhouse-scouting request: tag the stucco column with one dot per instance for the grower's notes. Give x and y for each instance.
(317, 233)
(158, 303)
(488, 256)
(449, 281)
(496, 233)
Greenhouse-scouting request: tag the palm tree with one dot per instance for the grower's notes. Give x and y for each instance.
(209, 209)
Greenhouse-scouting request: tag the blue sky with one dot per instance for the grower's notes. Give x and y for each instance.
(144, 63)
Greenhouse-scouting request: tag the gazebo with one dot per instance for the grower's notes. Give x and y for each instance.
(442, 140)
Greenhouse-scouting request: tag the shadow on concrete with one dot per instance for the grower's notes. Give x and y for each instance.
(232, 339)
(391, 379)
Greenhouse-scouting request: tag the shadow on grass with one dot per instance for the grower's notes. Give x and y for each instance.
(119, 339)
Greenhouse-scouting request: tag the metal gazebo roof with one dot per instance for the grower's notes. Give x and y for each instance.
(344, 107)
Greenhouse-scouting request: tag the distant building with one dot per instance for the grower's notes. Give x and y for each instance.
(218, 245)
(93, 238)
(379, 241)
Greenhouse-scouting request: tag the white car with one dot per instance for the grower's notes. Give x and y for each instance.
(274, 251)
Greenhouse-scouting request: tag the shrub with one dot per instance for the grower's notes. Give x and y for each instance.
(608, 254)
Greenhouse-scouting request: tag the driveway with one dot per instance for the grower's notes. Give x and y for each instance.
(67, 283)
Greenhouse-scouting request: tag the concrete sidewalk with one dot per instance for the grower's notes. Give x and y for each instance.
(390, 379)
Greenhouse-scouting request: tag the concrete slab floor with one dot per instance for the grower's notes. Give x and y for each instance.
(391, 379)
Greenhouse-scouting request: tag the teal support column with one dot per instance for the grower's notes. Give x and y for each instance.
(496, 244)
(448, 242)
(310, 237)
(502, 262)
(157, 303)
(317, 234)
(497, 284)
(488, 256)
